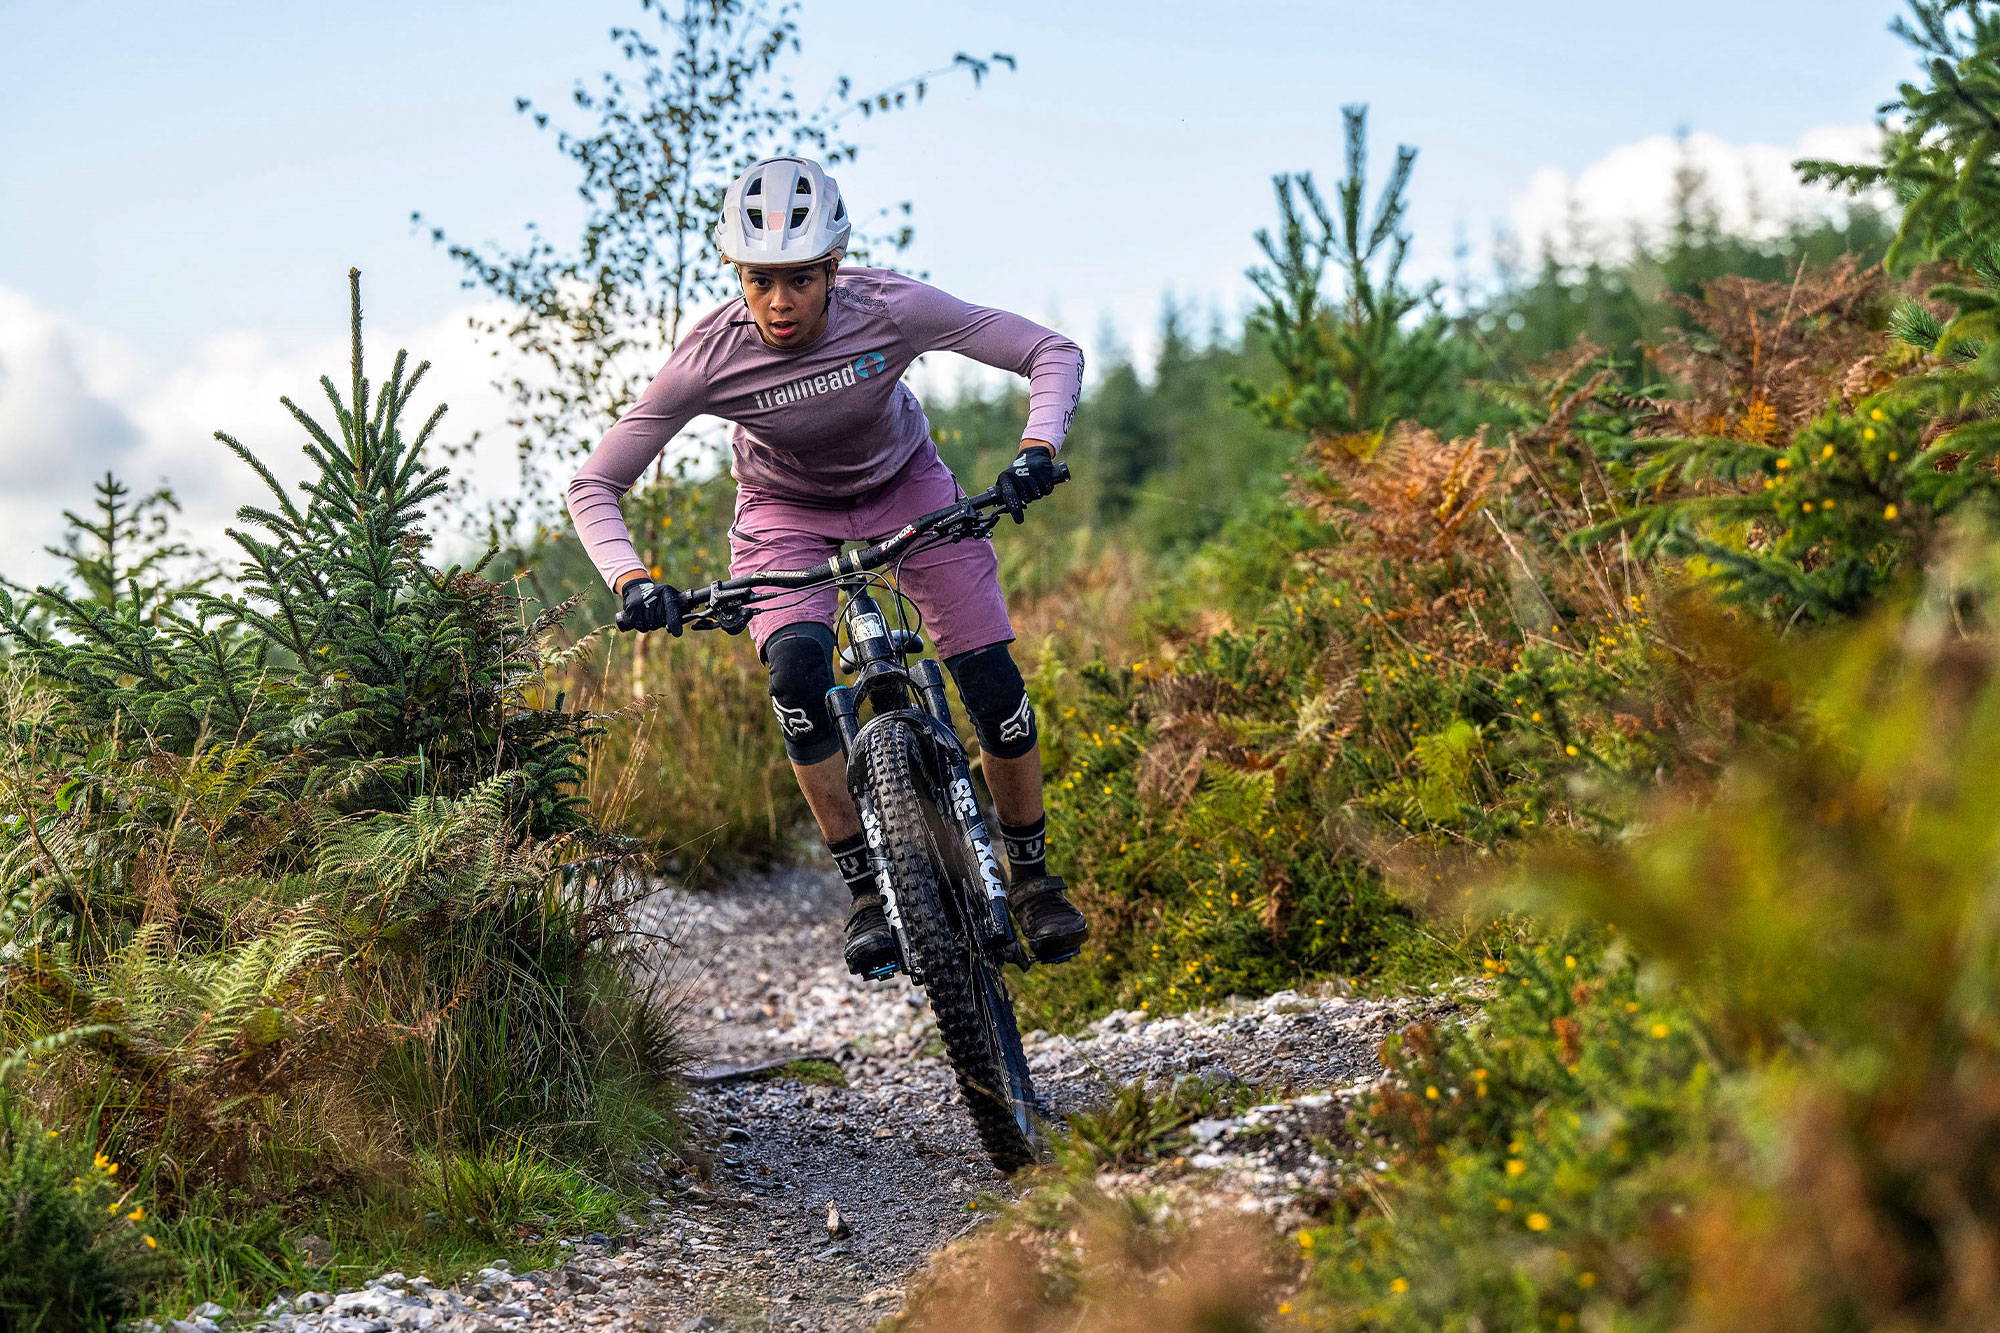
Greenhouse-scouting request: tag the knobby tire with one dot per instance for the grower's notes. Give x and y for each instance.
(975, 1016)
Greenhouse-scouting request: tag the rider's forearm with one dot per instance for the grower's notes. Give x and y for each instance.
(619, 584)
(1055, 383)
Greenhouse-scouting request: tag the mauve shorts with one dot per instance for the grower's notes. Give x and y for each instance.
(956, 587)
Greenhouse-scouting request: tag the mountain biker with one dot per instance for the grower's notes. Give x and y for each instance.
(831, 446)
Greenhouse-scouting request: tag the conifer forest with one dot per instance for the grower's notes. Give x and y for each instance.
(1579, 688)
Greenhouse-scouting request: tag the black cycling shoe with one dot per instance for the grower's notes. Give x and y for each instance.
(871, 945)
(1055, 930)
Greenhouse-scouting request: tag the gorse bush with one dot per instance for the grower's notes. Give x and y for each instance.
(76, 1242)
(1526, 1177)
(305, 867)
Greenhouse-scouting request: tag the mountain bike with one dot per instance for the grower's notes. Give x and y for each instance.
(927, 831)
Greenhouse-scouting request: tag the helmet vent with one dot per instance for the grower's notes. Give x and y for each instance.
(799, 216)
(756, 216)
(754, 187)
(804, 187)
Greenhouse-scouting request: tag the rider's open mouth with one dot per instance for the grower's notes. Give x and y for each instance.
(784, 328)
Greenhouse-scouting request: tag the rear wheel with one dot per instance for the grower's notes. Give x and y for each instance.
(975, 1015)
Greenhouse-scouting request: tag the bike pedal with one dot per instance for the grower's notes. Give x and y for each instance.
(883, 972)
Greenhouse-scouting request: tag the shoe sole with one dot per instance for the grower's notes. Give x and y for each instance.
(1059, 949)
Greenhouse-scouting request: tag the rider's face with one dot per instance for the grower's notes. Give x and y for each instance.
(789, 304)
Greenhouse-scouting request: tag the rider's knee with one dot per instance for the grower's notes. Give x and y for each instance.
(800, 656)
(997, 698)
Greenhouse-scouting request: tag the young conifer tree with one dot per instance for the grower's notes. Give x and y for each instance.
(341, 640)
(1374, 351)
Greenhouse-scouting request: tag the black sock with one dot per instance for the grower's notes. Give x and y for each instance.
(850, 858)
(1027, 849)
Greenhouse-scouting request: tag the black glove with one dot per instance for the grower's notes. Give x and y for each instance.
(1030, 477)
(651, 606)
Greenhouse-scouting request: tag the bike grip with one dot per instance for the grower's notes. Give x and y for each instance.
(1062, 473)
(622, 622)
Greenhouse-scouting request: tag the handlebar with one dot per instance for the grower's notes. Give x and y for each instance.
(969, 516)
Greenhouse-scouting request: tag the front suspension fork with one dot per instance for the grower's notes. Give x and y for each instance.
(958, 784)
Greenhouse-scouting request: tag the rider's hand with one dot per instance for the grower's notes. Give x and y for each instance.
(1030, 477)
(651, 606)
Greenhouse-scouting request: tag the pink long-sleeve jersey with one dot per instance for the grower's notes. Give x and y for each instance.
(829, 421)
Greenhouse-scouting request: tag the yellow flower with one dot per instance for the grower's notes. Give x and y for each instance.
(1889, 512)
(151, 1244)
(1504, 1205)
(1784, 463)
(1534, 717)
(1399, 1285)
(1431, 1093)
(1876, 414)
(1570, 750)
(1806, 507)
(1285, 1308)
(1569, 963)
(1893, 455)
(1659, 1030)
(1538, 1221)
(1305, 1240)
(1867, 434)
(1827, 452)
(137, 1214)
(1515, 1166)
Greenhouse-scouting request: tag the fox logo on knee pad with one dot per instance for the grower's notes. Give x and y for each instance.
(1020, 724)
(791, 721)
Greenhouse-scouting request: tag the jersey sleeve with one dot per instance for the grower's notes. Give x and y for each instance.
(935, 321)
(677, 395)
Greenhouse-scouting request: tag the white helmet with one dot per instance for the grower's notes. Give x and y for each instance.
(783, 210)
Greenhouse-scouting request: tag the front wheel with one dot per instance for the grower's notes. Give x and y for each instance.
(975, 1015)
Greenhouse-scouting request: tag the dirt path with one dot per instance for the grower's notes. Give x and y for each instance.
(874, 1129)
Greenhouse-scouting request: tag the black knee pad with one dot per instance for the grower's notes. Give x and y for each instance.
(800, 656)
(997, 698)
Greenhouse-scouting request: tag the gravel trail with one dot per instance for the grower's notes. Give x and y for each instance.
(823, 1192)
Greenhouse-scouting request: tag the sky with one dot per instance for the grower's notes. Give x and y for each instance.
(183, 186)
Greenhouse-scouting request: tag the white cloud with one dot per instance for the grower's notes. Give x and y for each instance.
(1750, 187)
(56, 430)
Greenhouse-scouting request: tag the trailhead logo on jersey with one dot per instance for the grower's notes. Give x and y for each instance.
(866, 366)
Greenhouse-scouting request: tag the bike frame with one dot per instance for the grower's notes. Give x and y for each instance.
(913, 696)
